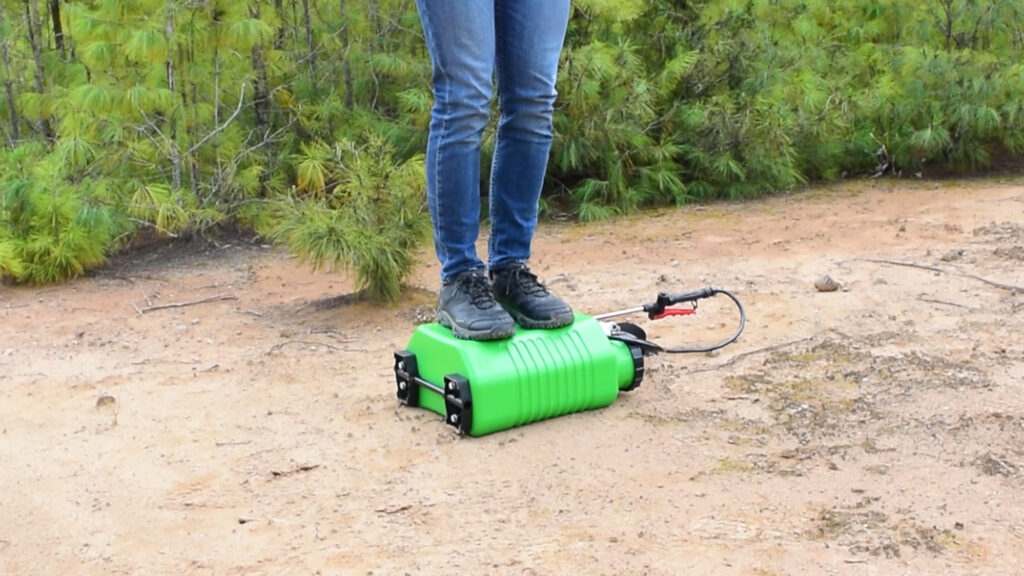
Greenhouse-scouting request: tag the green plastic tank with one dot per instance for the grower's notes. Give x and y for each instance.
(485, 387)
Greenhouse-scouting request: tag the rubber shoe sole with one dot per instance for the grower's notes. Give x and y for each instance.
(463, 333)
(534, 324)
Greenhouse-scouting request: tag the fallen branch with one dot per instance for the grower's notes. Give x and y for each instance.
(184, 304)
(739, 357)
(296, 470)
(236, 443)
(278, 347)
(394, 510)
(162, 361)
(905, 264)
(993, 283)
(840, 333)
(922, 298)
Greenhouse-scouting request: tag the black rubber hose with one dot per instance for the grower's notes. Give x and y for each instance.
(651, 348)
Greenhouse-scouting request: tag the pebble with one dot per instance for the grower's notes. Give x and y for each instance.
(826, 284)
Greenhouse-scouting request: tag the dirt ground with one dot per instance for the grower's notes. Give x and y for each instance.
(877, 429)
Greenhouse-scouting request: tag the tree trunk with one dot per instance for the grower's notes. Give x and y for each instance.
(946, 23)
(261, 95)
(261, 90)
(5, 57)
(58, 28)
(193, 160)
(310, 51)
(346, 67)
(175, 153)
(281, 28)
(216, 101)
(294, 23)
(34, 38)
(370, 48)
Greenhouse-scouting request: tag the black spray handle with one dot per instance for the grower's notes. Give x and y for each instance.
(657, 308)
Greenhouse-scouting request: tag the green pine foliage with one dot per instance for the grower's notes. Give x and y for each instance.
(355, 208)
(174, 118)
(51, 230)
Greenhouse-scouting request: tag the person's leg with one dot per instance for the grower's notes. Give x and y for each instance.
(529, 37)
(460, 39)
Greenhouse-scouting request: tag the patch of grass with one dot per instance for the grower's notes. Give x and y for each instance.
(866, 530)
(997, 465)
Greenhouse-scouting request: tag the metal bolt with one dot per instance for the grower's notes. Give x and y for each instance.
(454, 419)
(402, 385)
(401, 364)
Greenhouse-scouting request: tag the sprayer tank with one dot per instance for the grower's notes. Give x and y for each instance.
(535, 375)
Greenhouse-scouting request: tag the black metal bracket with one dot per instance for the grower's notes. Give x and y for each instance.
(458, 403)
(407, 378)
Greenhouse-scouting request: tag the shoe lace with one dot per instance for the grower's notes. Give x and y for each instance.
(478, 289)
(527, 282)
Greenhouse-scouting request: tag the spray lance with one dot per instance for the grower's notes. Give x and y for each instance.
(485, 387)
(634, 335)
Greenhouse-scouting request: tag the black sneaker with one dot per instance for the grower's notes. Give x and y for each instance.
(467, 306)
(527, 300)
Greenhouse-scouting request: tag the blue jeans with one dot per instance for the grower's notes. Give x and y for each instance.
(472, 43)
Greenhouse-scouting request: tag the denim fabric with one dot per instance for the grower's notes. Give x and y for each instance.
(472, 44)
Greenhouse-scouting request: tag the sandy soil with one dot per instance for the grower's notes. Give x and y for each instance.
(878, 429)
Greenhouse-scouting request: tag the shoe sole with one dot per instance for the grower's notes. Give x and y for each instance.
(495, 333)
(534, 324)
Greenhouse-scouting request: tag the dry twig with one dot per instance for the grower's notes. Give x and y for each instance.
(162, 361)
(904, 264)
(296, 470)
(981, 279)
(995, 284)
(237, 443)
(739, 357)
(394, 510)
(279, 346)
(923, 298)
(184, 304)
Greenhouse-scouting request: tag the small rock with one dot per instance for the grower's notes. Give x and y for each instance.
(425, 313)
(826, 284)
(953, 255)
(107, 404)
(106, 401)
